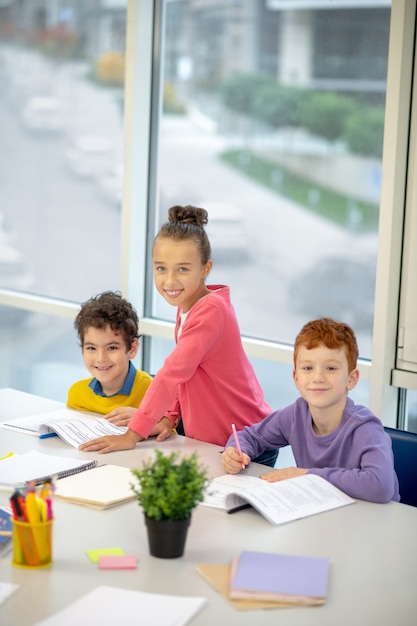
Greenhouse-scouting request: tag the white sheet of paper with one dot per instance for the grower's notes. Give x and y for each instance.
(6, 590)
(110, 606)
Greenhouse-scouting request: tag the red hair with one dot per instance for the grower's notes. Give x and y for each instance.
(332, 334)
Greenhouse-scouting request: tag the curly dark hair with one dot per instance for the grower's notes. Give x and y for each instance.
(108, 309)
(188, 222)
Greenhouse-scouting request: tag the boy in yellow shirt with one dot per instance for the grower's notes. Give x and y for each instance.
(108, 330)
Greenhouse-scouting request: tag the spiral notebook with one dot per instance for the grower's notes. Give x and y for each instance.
(36, 467)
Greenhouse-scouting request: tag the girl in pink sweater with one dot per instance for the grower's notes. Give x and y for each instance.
(207, 381)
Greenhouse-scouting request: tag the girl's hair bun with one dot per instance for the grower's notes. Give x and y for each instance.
(188, 215)
(187, 223)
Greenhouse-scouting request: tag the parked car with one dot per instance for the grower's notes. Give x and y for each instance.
(44, 114)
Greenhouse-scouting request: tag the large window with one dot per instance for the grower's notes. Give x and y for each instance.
(287, 164)
(61, 163)
(271, 115)
(284, 155)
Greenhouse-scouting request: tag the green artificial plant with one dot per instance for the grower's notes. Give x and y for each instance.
(169, 487)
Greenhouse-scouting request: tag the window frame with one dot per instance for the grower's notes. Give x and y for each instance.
(385, 398)
(405, 372)
(142, 110)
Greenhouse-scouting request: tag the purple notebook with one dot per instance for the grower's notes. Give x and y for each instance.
(281, 577)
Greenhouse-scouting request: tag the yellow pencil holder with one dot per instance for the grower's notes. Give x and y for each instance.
(32, 544)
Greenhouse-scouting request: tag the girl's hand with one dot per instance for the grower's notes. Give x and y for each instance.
(121, 416)
(111, 443)
(232, 462)
(163, 429)
(283, 474)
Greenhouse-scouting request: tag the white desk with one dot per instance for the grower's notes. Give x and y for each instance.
(372, 548)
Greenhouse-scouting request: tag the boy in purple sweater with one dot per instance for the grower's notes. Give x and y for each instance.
(330, 436)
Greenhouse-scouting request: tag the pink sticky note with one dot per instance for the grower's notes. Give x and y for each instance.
(116, 561)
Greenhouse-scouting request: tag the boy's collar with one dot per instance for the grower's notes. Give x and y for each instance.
(126, 389)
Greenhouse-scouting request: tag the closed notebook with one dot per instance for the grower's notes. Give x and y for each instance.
(279, 577)
(103, 487)
(218, 575)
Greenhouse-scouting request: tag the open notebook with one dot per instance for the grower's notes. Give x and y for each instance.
(278, 502)
(73, 427)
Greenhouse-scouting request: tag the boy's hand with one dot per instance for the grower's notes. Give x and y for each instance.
(283, 474)
(111, 443)
(162, 430)
(121, 416)
(232, 462)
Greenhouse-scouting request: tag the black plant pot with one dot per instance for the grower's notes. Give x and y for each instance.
(167, 538)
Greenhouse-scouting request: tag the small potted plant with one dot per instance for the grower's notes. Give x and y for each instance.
(168, 489)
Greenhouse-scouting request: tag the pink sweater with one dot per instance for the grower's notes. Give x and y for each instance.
(207, 379)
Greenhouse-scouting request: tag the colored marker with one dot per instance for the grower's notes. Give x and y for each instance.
(238, 445)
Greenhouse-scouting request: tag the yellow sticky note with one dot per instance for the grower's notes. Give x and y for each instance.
(7, 456)
(94, 555)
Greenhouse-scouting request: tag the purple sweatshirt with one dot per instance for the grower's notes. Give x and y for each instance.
(356, 457)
